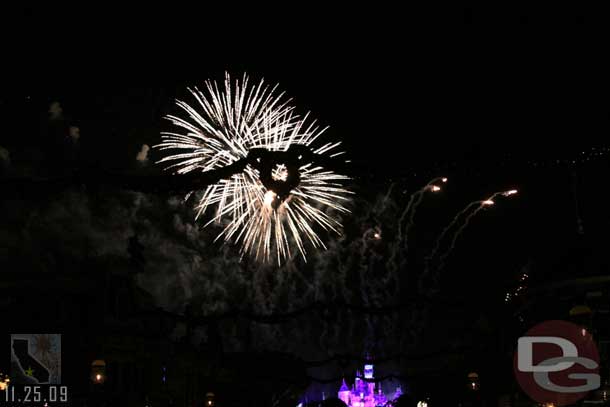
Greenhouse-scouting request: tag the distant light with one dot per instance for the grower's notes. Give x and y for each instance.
(435, 188)
(488, 202)
(98, 377)
(444, 179)
(422, 404)
(511, 192)
(377, 235)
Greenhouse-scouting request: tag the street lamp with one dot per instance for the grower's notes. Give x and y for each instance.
(473, 381)
(209, 400)
(98, 372)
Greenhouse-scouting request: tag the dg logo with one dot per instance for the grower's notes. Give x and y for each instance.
(557, 362)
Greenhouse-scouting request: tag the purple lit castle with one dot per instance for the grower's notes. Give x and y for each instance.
(366, 393)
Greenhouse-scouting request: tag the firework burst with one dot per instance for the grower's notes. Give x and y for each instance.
(282, 196)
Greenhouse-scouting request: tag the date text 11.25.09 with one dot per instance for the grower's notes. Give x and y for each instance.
(22, 395)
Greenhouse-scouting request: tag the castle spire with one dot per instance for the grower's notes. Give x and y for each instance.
(344, 386)
(344, 393)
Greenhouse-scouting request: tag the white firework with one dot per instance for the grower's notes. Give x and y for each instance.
(226, 125)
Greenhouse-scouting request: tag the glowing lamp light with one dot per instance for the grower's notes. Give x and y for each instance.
(444, 179)
(488, 202)
(511, 192)
(422, 404)
(473, 379)
(98, 371)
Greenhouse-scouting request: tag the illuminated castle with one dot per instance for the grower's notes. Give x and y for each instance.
(366, 393)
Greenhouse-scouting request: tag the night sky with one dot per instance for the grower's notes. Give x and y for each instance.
(491, 112)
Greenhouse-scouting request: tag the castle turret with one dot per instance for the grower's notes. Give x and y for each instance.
(380, 398)
(358, 382)
(368, 371)
(344, 393)
(368, 376)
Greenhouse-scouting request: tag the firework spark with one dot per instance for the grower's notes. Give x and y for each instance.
(410, 210)
(481, 205)
(414, 202)
(278, 200)
(450, 226)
